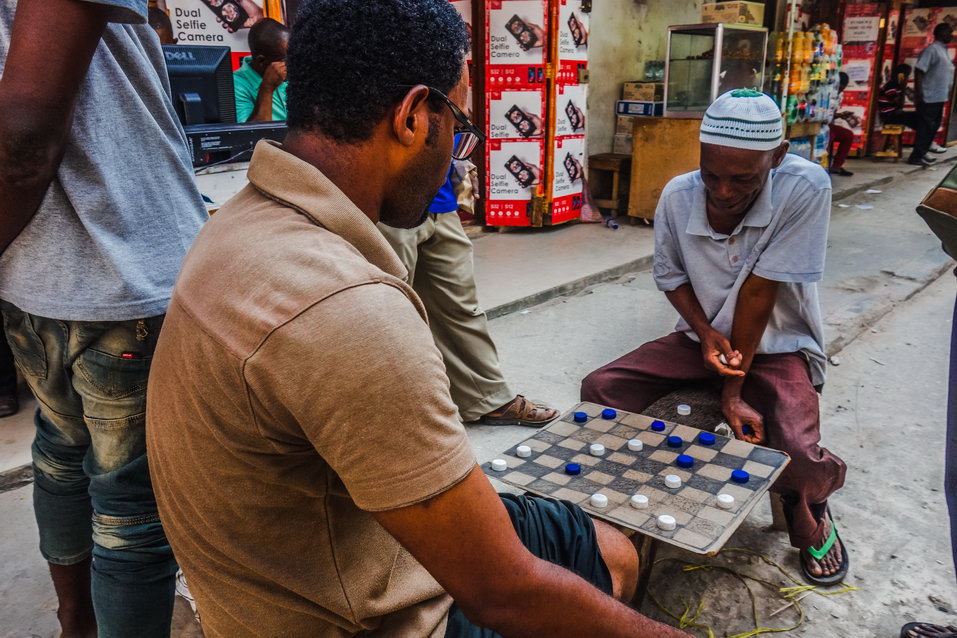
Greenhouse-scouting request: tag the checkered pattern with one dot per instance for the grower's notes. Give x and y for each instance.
(702, 528)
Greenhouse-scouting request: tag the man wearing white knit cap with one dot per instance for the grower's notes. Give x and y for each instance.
(739, 247)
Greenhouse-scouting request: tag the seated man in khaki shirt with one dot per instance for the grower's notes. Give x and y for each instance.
(311, 472)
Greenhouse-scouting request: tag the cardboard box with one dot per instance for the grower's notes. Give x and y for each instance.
(622, 144)
(568, 179)
(515, 114)
(515, 173)
(733, 12)
(643, 91)
(626, 107)
(570, 109)
(625, 124)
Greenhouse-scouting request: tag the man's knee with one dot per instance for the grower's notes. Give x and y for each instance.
(126, 542)
(620, 557)
(59, 471)
(591, 386)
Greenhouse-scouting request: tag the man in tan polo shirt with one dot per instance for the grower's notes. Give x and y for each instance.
(311, 472)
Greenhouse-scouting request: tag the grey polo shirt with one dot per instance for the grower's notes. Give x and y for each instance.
(938, 70)
(782, 238)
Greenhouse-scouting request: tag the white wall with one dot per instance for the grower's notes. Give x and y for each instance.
(624, 34)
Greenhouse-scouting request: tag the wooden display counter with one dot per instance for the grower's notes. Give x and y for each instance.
(662, 148)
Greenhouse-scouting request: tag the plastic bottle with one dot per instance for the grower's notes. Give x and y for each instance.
(797, 47)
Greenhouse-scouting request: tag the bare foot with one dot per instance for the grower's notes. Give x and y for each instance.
(830, 564)
(926, 630)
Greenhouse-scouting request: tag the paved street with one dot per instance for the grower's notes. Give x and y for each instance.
(888, 297)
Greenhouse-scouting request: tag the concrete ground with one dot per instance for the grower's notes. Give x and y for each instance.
(883, 408)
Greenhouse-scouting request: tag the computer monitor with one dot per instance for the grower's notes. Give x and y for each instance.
(201, 81)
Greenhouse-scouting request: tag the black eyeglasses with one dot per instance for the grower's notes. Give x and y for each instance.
(467, 135)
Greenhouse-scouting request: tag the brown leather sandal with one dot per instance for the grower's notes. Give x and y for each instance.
(520, 411)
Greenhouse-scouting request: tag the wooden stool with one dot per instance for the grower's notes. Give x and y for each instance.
(615, 164)
(892, 133)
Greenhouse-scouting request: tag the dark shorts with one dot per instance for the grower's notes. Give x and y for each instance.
(557, 531)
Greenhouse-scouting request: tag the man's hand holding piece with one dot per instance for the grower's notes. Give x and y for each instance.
(718, 354)
(747, 424)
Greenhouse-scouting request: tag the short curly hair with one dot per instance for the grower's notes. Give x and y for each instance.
(347, 57)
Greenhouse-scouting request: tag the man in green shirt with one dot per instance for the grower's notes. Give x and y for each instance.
(260, 81)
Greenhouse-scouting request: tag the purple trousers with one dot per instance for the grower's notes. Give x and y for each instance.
(778, 386)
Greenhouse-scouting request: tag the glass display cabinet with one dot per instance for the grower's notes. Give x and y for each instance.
(706, 60)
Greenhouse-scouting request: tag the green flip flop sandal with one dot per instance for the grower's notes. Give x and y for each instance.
(820, 552)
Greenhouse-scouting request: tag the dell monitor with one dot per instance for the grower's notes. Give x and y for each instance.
(201, 83)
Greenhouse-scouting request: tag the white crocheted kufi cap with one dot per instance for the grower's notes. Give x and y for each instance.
(743, 118)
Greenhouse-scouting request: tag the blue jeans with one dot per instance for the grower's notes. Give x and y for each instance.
(92, 490)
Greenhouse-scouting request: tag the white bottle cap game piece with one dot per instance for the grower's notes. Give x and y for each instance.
(635, 445)
(684, 410)
(596, 449)
(673, 481)
(523, 451)
(499, 465)
(599, 500)
(725, 501)
(666, 522)
(723, 359)
(639, 501)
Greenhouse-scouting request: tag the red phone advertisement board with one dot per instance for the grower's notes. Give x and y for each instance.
(516, 48)
(515, 172)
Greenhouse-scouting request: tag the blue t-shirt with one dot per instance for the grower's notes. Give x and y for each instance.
(445, 201)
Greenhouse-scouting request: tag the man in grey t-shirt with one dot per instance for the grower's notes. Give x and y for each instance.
(933, 79)
(99, 209)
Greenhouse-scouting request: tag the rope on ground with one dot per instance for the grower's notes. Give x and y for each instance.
(690, 619)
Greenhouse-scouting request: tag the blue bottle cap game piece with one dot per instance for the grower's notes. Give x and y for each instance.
(573, 468)
(658, 426)
(675, 441)
(684, 460)
(608, 414)
(706, 438)
(740, 476)
(581, 417)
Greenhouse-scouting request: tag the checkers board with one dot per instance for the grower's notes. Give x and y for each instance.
(702, 527)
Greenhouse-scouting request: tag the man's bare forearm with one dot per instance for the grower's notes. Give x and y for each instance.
(38, 91)
(466, 540)
(262, 109)
(918, 86)
(29, 157)
(751, 314)
(585, 611)
(685, 301)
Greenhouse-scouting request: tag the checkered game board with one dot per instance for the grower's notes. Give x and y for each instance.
(702, 527)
